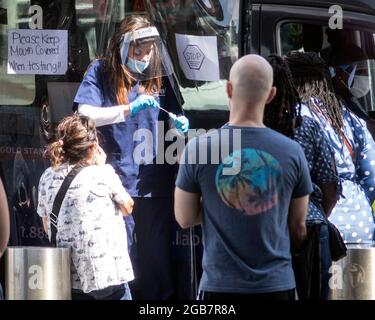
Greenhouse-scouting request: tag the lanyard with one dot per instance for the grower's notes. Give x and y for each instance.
(342, 135)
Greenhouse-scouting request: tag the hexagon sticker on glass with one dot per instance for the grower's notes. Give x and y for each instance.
(198, 57)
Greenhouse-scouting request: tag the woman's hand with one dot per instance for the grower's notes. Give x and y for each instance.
(142, 102)
(99, 156)
(181, 123)
(127, 207)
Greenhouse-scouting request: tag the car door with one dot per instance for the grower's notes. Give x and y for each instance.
(284, 28)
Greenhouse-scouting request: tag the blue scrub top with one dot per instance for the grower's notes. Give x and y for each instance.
(140, 180)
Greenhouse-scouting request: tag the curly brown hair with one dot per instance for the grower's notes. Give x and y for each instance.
(75, 136)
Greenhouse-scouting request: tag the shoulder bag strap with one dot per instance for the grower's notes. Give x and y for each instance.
(59, 199)
(348, 146)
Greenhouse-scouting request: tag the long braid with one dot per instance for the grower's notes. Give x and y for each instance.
(283, 112)
(313, 80)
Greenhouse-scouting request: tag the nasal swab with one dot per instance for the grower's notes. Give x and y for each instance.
(171, 115)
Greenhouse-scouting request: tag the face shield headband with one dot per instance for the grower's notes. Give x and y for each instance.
(136, 35)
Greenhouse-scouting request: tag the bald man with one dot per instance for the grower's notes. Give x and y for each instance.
(250, 195)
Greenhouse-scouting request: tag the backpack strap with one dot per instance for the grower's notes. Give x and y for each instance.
(59, 199)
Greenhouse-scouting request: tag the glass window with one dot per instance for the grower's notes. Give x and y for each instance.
(350, 54)
(31, 105)
(97, 20)
(214, 18)
(14, 89)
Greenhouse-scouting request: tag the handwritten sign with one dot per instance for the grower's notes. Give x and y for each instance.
(37, 51)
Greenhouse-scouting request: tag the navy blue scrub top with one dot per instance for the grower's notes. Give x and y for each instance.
(144, 180)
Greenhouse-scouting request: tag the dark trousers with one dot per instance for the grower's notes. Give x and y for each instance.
(118, 292)
(279, 295)
(325, 260)
(312, 263)
(152, 249)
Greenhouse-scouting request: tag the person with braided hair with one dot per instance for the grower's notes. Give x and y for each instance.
(353, 145)
(283, 114)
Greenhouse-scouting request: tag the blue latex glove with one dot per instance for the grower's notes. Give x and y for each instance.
(181, 123)
(142, 102)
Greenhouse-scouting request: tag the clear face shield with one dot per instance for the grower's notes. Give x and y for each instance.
(144, 54)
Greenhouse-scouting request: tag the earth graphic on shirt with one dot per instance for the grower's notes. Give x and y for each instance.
(255, 187)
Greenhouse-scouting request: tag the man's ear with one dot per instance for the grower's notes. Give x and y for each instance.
(229, 89)
(271, 95)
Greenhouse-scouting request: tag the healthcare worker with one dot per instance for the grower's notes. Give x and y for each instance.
(123, 93)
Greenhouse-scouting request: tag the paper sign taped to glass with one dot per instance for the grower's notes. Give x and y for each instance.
(37, 51)
(198, 57)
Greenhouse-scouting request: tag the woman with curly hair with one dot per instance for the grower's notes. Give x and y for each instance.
(90, 219)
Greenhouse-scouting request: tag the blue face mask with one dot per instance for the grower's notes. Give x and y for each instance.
(137, 66)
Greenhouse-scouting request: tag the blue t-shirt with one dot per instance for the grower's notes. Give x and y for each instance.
(140, 180)
(245, 215)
